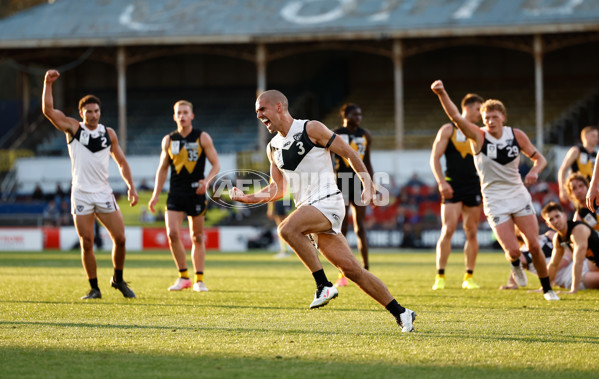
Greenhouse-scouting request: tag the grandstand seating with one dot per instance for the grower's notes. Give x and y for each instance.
(226, 114)
(423, 114)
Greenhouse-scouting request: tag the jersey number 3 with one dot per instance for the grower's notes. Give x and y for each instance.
(301, 150)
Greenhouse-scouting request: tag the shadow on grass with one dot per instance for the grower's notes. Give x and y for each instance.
(436, 336)
(192, 363)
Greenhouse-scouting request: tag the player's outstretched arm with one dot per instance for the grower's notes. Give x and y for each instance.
(161, 173)
(439, 147)
(580, 234)
(571, 156)
(470, 130)
(528, 149)
(556, 257)
(125, 170)
(56, 117)
(321, 135)
(274, 191)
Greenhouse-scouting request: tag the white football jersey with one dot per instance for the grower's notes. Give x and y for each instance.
(89, 151)
(307, 167)
(497, 165)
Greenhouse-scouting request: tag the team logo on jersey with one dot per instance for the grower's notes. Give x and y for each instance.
(84, 137)
(286, 145)
(590, 219)
(297, 136)
(492, 151)
(583, 158)
(175, 147)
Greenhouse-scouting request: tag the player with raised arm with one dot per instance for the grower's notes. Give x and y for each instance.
(506, 200)
(90, 145)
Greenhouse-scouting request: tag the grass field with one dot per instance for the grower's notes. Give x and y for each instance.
(254, 322)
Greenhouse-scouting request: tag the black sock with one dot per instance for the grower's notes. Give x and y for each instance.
(118, 275)
(546, 284)
(321, 279)
(470, 272)
(441, 271)
(94, 283)
(395, 308)
(516, 263)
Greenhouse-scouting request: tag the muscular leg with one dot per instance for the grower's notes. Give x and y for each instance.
(85, 229)
(507, 239)
(173, 230)
(293, 230)
(198, 250)
(335, 249)
(113, 222)
(345, 222)
(450, 214)
(359, 215)
(470, 219)
(529, 227)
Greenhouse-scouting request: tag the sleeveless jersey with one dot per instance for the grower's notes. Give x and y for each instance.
(460, 170)
(585, 162)
(90, 152)
(497, 165)
(306, 166)
(589, 217)
(187, 162)
(357, 141)
(592, 252)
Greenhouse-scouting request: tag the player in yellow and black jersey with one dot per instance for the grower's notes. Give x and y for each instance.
(460, 192)
(185, 151)
(359, 139)
(577, 186)
(580, 158)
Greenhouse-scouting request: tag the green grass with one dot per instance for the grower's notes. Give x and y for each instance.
(132, 215)
(254, 322)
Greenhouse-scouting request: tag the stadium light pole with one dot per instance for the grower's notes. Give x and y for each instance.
(261, 87)
(398, 88)
(538, 55)
(121, 60)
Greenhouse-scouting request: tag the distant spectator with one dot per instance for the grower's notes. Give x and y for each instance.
(38, 194)
(52, 214)
(59, 194)
(143, 186)
(414, 181)
(65, 213)
(145, 215)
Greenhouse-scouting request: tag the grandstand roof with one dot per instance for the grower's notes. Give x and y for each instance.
(70, 23)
